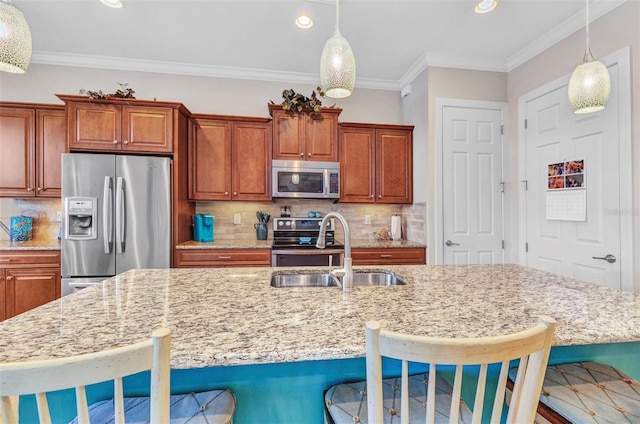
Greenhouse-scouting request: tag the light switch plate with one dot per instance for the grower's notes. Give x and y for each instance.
(367, 219)
(236, 219)
(58, 216)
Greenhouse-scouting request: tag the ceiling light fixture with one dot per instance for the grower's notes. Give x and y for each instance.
(337, 64)
(590, 83)
(15, 39)
(116, 4)
(304, 21)
(486, 6)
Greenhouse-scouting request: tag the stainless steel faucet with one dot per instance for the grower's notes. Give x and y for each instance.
(346, 272)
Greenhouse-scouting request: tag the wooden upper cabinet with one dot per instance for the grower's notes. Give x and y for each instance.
(17, 152)
(51, 126)
(32, 138)
(251, 161)
(394, 165)
(357, 164)
(128, 125)
(209, 159)
(376, 163)
(229, 158)
(306, 135)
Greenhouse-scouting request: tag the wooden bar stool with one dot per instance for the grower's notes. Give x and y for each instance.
(40, 377)
(588, 392)
(429, 398)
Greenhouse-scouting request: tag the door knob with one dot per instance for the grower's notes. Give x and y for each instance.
(609, 258)
(450, 243)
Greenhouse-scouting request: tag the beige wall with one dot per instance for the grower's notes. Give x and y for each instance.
(615, 30)
(199, 94)
(453, 84)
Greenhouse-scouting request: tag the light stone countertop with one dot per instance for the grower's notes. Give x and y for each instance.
(233, 316)
(30, 245)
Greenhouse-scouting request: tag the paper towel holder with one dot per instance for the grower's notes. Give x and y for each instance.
(396, 227)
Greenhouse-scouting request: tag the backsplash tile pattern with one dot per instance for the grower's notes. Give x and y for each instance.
(413, 222)
(45, 226)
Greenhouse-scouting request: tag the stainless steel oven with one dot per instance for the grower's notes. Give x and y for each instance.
(294, 243)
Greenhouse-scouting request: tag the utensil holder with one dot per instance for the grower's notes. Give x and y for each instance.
(261, 231)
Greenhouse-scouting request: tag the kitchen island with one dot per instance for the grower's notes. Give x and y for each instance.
(278, 348)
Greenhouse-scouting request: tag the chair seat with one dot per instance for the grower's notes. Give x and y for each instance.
(215, 406)
(347, 402)
(593, 392)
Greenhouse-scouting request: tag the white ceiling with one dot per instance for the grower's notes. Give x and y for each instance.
(393, 40)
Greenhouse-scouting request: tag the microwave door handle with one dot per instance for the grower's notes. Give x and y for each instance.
(120, 216)
(107, 214)
(326, 183)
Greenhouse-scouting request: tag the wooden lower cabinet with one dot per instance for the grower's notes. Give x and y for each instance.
(389, 256)
(28, 279)
(211, 258)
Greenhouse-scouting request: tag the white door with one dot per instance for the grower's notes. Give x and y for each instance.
(555, 134)
(472, 189)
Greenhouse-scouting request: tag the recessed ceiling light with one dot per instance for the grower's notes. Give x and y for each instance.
(304, 21)
(116, 4)
(486, 6)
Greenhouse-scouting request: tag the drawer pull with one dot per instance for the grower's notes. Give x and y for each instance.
(386, 256)
(5, 260)
(224, 257)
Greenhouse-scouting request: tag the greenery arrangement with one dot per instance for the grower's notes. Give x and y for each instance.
(296, 102)
(122, 93)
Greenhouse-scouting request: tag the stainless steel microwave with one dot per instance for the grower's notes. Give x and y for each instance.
(305, 179)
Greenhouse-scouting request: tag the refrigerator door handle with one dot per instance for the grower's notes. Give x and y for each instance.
(107, 214)
(120, 216)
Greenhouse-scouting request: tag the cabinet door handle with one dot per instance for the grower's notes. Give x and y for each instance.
(29, 189)
(38, 189)
(308, 154)
(9, 278)
(302, 154)
(224, 257)
(126, 142)
(379, 196)
(115, 141)
(372, 196)
(235, 193)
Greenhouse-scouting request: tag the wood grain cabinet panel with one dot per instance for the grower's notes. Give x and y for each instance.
(32, 138)
(389, 256)
(211, 258)
(121, 125)
(28, 279)
(230, 158)
(376, 163)
(306, 135)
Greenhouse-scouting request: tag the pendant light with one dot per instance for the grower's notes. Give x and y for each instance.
(590, 82)
(15, 39)
(337, 64)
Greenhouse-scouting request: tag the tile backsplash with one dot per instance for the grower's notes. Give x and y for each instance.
(43, 211)
(413, 222)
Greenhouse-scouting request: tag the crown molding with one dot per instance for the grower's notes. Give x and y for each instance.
(597, 9)
(137, 65)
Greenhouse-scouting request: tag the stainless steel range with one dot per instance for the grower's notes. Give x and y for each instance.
(294, 243)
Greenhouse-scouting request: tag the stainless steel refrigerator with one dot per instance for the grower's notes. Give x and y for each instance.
(117, 216)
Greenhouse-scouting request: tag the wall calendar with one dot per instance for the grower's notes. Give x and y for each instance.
(566, 197)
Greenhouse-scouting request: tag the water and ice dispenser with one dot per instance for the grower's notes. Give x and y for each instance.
(80, 218)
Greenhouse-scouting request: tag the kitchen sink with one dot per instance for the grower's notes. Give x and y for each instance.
(360, 278)
(303, 280)
(377, 278)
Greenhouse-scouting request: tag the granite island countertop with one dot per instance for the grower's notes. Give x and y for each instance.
(233, 316)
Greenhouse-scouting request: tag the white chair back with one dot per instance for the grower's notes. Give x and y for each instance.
(531, 347)
(40, 377)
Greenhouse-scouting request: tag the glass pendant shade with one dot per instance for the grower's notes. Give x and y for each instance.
(589, 86)
(15, 40)
(337, 67)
